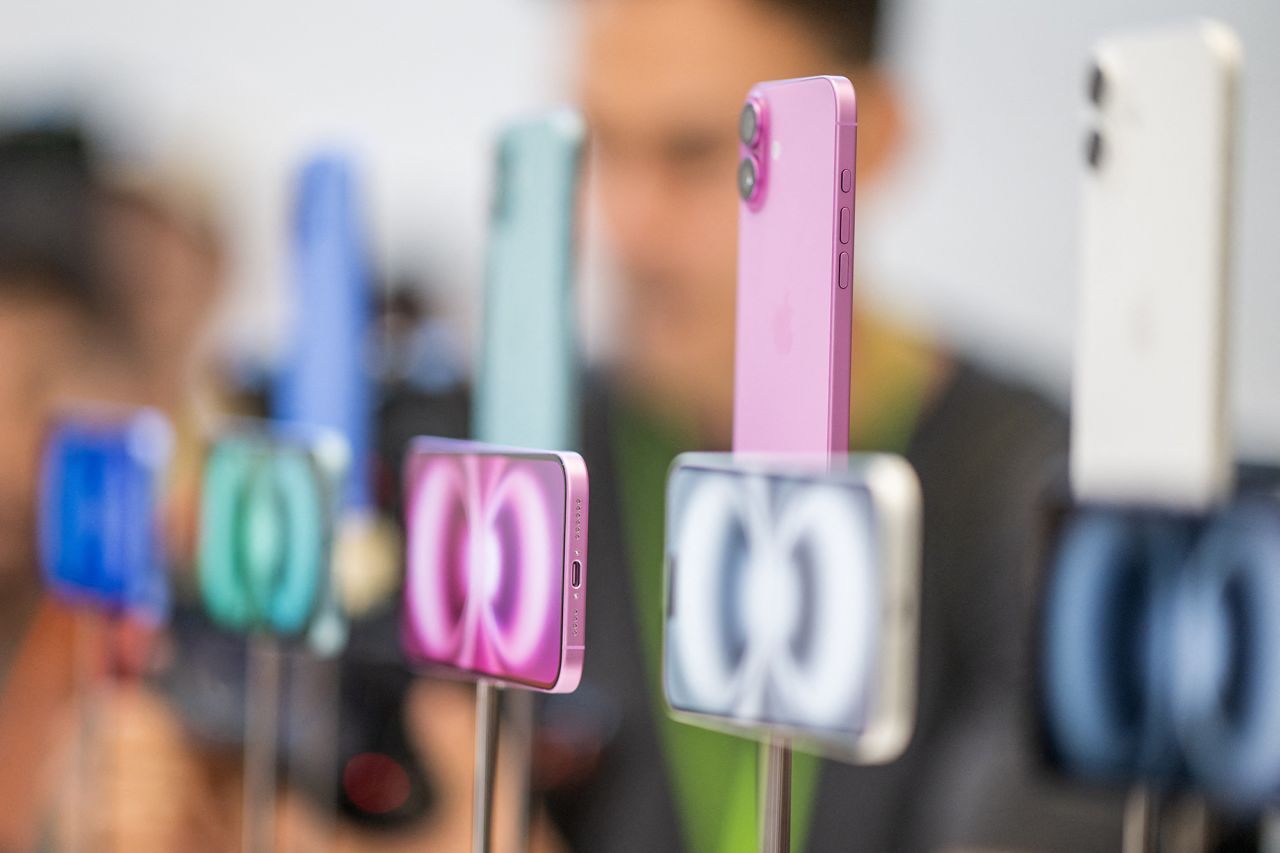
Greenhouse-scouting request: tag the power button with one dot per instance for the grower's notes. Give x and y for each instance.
(844, 270)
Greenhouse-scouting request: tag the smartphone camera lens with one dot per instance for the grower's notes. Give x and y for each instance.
(748, 177)
(1097, 85)
(749, 123)
(1093, 149)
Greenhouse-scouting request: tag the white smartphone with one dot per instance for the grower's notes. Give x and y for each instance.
(1149, 403)
(792, 598)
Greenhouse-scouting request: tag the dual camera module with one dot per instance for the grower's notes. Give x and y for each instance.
(749, 172)
(1096, 89)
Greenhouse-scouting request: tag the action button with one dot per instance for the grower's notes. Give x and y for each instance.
(845, 228)
(846, 181)
(844, 270)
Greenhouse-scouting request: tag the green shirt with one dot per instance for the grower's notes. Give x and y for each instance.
(714, 775)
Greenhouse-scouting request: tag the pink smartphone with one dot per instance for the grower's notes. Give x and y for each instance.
(496, 557)
(795, 266)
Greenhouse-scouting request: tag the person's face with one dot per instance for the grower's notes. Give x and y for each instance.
(40, 343)
(167, 281)
(662, 84)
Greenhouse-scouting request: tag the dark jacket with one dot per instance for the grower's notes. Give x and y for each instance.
(986, 452)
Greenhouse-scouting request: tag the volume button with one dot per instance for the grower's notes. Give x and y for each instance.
(846, 227)
(844, 270)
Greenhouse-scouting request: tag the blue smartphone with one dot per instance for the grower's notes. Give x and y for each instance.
(526, 386)
(325, 378)
(99, 528)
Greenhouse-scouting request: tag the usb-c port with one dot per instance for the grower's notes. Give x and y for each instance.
(575, 574)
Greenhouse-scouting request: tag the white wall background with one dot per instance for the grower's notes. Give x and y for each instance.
(976, 238)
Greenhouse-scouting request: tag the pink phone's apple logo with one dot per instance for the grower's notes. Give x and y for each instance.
(782, 336)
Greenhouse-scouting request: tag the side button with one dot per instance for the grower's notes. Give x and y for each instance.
(844, 270)
(846, 229)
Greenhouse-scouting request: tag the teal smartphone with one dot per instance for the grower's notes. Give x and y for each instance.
(268, 516)
(526, 383)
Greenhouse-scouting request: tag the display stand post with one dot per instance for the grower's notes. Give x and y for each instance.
(1141, 821)
(1269, 832)
(312, 693)
(89, 649)
(262, 726)
(775, 822)
(488, 700)
(1189, 826)
(518, 745)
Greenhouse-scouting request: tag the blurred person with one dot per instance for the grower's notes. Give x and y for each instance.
(47, 312)
(105, 296)
(100, 301)
(164, 269)
(662, 82)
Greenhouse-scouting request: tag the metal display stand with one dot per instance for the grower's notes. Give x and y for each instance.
(312, 707)
(519, 708)
(262, 727)
(89, 638)
(775, 821)
(1141, 821)
(1269, 832)
(488, 702)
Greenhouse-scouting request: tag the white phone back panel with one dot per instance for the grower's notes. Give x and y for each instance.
(1149, 409)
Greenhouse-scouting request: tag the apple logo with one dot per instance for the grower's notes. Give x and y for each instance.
(782, 336)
